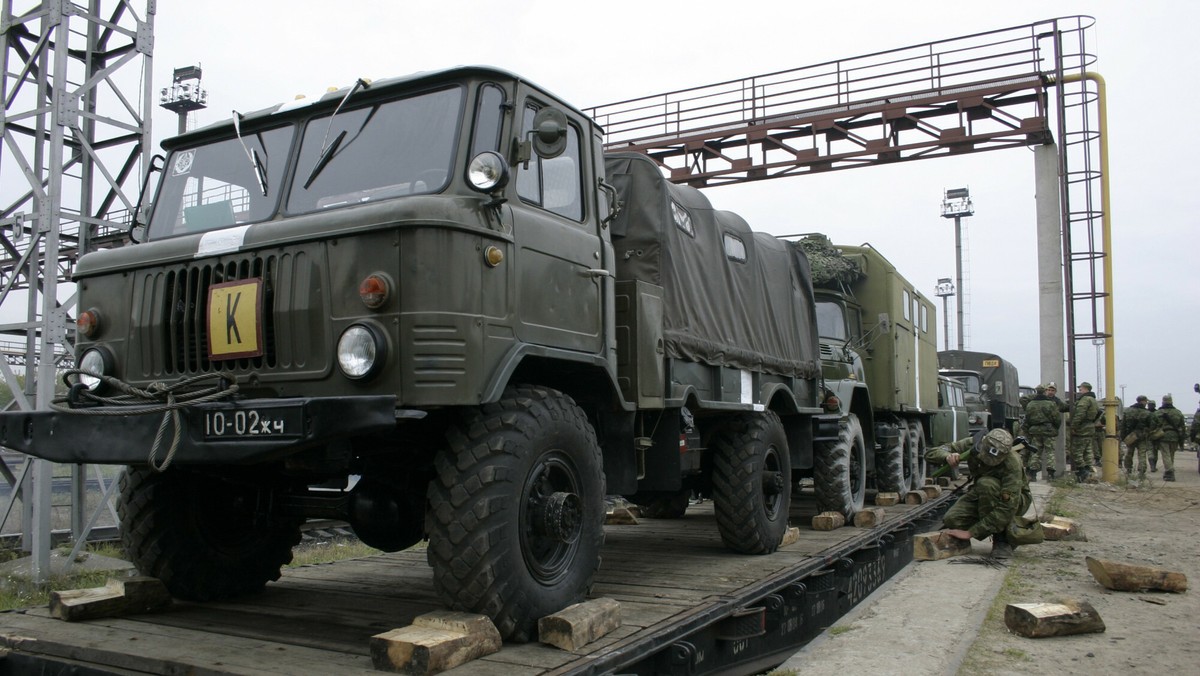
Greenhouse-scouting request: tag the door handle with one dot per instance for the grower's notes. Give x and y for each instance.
(596, 272)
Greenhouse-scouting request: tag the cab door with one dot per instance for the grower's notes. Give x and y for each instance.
(560, 251)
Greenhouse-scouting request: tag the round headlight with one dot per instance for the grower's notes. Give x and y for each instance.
(360, 351)
(487, 172)
(94, 361)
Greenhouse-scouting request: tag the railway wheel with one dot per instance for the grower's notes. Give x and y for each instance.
(751, 482)
(199, 534)
(516, 516)
(916, 462)
(839, 472)
(891, 464)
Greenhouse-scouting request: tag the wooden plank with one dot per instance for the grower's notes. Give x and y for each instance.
(580, 624)
(938, 545)
(1039, 620)
(828, 521)
(435, 642)
(1132, 577)
(127, 596)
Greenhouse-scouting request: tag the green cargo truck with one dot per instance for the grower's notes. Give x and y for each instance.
(879, 356)
(993, 391)
(430, 306)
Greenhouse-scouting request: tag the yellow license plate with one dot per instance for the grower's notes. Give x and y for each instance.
(235, 326)
(991, 363)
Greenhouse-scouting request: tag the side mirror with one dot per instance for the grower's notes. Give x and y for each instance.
(549, 132)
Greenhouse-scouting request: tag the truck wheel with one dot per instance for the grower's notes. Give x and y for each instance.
(916, 445)
(891, 465)
(198, 534)
(839, 471)
(752, 484)
(516, 511)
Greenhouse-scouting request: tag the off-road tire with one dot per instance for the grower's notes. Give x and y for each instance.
(751, 482)
(839, 471)
(503, 460)
(916, 444)
(196, 533)
(890, 474)
(662, 504)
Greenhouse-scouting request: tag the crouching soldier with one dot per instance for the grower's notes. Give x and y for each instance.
(999, 489)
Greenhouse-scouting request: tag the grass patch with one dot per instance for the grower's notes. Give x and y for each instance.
(1016, 654)
(841, 629)
(783, 672)
(18, 591)
(1055, 506)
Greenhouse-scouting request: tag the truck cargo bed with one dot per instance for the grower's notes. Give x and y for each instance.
(677, 585)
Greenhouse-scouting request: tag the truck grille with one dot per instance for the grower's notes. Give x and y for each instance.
(185, 329)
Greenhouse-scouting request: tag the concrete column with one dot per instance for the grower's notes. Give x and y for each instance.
(1051, 313)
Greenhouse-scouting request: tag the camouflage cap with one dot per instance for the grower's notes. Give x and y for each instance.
(994, 447)
(1142, 398)
(1085, 384)
(1168, 399)
(1039, 389)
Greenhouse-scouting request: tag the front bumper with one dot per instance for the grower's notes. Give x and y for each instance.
(85, 437)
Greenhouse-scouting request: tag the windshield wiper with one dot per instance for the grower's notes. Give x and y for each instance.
(329, 149)
(260, 171)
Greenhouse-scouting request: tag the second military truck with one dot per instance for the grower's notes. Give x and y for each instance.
(432, 307)
(879, 354)
(993, 390)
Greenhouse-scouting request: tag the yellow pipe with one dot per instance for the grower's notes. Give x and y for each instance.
(1110, 452)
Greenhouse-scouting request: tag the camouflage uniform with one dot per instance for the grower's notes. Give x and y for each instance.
(1137, 420)
(1042, 420)
(1083, 432)
(998, 493)
(1170, 421)
(1152, 442)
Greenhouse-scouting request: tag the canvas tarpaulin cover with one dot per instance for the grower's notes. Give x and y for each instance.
(732, 297)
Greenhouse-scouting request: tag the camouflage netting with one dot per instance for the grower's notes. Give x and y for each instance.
(829, 267)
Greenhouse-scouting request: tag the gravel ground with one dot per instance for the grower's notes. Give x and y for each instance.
(948, 618)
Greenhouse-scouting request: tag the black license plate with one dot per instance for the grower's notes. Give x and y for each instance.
(254, 423)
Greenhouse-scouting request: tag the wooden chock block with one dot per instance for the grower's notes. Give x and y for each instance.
(930, 481)
(914, 498)
(887, 499)
(118, 597)
(790, 536)
(620, 516)
(931, 491)
(828, 521)
(938, 545)
(869, 517)
(1130, 577)
(576, 626)
(944, 481)
(1039, 620)
(1062, 528)
(435, 642)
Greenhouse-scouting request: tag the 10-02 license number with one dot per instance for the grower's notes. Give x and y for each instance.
(250, 423)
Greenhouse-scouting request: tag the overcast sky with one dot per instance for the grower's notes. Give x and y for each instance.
(255, 54)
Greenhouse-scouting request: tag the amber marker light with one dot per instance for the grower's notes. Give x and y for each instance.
(88, 323)
(374, 291)
(493, 255)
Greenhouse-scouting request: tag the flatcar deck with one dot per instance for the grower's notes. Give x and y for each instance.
(674, 579)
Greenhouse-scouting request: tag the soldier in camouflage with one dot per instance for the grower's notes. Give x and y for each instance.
(1137, 422)
(1152, 440)
(1083, 432)
(998, 494)
(1170, 421)
(1042, 420)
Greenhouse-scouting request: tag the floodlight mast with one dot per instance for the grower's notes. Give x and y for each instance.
(945, 289)
(956, 204)
(185, 94)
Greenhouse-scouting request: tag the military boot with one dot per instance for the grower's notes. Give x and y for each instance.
(1031, 474)
(1050, 474)
(1081, 475)
(1153, 467)
(1000, 547)
(1169, 475)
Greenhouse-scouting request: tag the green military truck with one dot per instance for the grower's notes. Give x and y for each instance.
(430, 306)
(993, 390)
(951, 421)
(879, 356)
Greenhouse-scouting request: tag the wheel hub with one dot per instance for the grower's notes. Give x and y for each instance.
(558, 516)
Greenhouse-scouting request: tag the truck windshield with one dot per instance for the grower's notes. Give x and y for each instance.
(831, 321)
(402, 147)
(214, 186)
